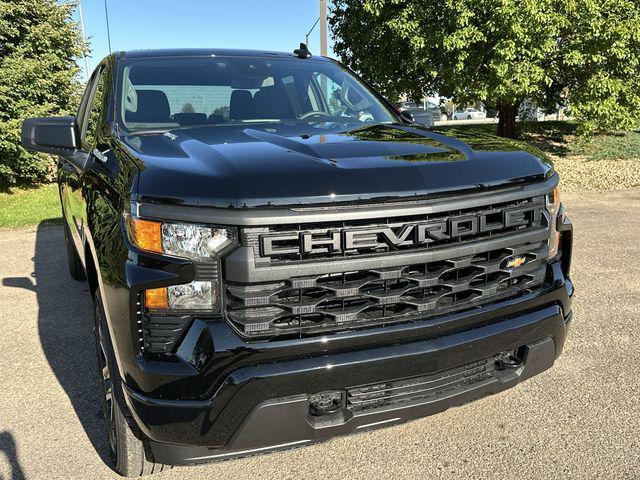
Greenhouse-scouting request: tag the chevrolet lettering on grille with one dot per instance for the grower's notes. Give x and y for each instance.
(409, 235)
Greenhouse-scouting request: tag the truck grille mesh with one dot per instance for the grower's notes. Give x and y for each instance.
(339, 301)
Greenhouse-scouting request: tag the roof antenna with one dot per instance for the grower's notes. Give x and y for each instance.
(106, 14)
(302, 52)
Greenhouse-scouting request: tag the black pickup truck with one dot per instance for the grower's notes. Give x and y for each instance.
(276, 256)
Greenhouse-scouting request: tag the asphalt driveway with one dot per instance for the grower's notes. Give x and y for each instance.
(579, 420)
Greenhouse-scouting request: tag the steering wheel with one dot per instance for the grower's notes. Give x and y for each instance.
(314, 113)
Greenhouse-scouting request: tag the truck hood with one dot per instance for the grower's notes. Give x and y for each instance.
(250, 167)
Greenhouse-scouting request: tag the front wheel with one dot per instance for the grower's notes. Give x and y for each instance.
(126, 443)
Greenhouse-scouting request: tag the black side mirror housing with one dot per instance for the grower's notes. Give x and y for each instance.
(406, 116)
(54, 135)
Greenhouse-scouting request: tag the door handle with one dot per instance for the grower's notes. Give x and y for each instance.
(100, 155)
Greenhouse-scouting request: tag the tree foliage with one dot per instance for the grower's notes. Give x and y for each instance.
(585, 52)
(38, 77)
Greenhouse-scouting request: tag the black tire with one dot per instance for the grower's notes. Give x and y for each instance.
(76, 270)
(127, 445)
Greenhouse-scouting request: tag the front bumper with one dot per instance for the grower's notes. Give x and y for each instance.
(285, 423)
(265, 405)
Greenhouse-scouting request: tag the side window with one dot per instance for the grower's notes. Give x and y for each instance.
(93, 113)
(341, 97)
(331, 91)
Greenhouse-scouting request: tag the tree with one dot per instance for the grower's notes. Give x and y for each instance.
(38, 77)
(188, 108)
(502, 52)
(222, 110)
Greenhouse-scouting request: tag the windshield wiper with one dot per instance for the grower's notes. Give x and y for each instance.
(150, 131)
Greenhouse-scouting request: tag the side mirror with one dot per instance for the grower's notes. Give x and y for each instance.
(55, 135)
(406, 116)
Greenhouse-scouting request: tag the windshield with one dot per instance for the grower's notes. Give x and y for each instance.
(170, 93)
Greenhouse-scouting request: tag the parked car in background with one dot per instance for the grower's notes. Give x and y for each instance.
(424, 114)
(468, 114)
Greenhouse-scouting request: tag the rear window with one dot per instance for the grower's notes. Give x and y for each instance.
(177, 92)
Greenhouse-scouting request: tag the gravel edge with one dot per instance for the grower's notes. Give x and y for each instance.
(579, 174)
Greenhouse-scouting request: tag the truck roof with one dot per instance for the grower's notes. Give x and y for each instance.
(199, 52)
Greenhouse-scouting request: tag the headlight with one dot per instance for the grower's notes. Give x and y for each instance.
(194, 241)
(197, 242)
(553, 207)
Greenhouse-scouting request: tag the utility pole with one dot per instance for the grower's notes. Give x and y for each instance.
(323, 28)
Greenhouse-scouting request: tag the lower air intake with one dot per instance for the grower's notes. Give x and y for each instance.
(403, 393)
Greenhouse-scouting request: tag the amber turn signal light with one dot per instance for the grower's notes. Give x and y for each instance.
(145, 234)
(156, 299)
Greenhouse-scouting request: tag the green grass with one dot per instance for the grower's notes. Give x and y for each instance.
(621, 145)
(22, 207)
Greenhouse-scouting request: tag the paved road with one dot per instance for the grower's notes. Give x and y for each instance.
(579, 420)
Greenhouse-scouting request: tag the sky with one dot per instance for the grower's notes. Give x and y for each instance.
(253, 24)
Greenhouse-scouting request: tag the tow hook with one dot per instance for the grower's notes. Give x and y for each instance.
(326, 403)
(509, 360)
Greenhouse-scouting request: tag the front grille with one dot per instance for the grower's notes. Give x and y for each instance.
(299, 279)
(338, 301)
(403, 393)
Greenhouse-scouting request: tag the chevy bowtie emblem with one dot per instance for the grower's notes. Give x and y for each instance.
(516, 262)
